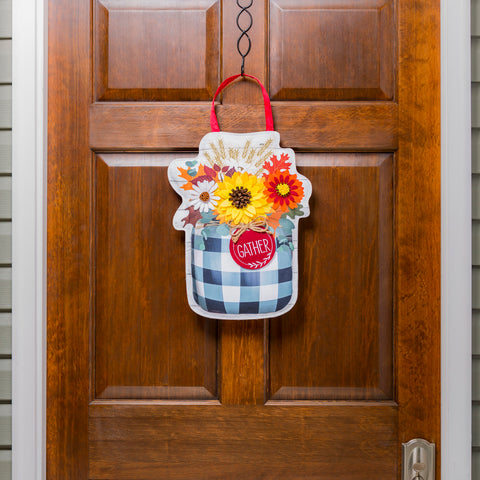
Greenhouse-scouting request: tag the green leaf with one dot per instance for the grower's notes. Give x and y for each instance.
(209, 231)
(287, 226)
(208, 216)
(192, 172)
(283, 248)
(201, 245)
(223, 229)
(296, 212)
(291, 245)
(191, 164)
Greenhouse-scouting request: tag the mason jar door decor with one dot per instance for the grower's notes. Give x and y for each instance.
(242, 198)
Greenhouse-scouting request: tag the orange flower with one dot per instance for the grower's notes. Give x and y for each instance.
(284, 190)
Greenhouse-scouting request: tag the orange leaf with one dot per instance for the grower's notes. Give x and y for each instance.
(273, 220)
(184, 174)
(275, 165)
(201, 170)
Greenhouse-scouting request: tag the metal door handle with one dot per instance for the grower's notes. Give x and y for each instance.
(418, 460)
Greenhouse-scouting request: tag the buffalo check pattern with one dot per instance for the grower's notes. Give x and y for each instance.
(222, 286)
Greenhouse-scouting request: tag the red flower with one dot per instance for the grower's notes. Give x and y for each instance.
(284, 190)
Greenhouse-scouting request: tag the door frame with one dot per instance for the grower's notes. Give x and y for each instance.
(29, 220)
(456, 277)
(29, 108)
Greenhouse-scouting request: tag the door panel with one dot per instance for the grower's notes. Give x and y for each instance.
(344, 317)
(147, 50)
(139, 351)
(242, 443)
(139, 387)
(332, 50)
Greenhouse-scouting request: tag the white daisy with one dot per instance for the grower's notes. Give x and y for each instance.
(203, 197)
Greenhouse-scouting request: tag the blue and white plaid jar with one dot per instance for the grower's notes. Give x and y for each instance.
(221, 286)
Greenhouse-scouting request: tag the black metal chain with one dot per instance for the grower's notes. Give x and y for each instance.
(244, 10)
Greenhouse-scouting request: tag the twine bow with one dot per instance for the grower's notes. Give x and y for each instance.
(259, 225)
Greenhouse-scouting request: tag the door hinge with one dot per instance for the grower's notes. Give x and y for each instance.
(418, 460)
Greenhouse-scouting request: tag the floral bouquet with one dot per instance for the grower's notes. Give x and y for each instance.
(242, 198)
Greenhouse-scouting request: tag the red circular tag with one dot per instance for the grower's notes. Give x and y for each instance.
(253, 250)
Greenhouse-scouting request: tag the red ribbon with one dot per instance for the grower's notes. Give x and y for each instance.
(266, 101)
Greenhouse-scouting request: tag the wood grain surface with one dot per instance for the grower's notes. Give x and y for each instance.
(148, 343)
(322, 126)
(343, 317)
(68, 240)
(417, 204)
(171, 50)
(140, 442)
(350, 49)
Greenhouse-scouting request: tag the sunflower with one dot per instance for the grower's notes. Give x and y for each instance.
(202, 195)
(284, 190)
(242, 199)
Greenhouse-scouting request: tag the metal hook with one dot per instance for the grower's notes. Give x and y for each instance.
(244, 9)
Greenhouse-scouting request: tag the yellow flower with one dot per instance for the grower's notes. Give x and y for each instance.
(242, 199)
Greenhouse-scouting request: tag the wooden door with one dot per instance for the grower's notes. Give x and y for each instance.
(139, 387)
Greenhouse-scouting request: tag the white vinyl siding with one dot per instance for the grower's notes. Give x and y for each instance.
(5, 239)
(5, 464)
(5, 150)
(475, 32)
(5, 105)
(6, 19)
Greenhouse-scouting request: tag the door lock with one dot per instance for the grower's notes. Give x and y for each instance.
(418, 469)
(418, 460)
